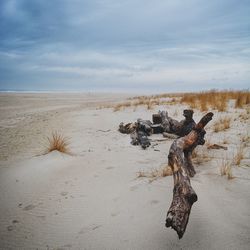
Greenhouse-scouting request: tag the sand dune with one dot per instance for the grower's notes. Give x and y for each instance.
(92, 199)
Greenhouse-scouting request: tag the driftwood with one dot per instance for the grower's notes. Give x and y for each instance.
(140, 138)
(140, 130)
(173, 126)
(216, 146)
(179, 159)
(140, 134)
(170, 136)
(127, 128)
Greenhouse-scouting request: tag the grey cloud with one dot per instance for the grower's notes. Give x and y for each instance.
(110, 43)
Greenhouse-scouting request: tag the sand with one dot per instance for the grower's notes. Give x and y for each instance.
(93, 199)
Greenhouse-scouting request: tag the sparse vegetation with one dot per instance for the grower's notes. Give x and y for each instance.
(242, 99)
(149, 102)
(245, 139)
(244, 116)
(58, 142)
(226, 169)
(200, 156)
(239, 155)
(217, 100)
(222, 124)
(213, 99)
(155, 173)
(225, 140)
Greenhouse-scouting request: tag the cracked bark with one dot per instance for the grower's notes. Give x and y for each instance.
(179, 160)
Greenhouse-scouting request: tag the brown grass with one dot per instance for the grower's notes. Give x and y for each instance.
(120, 106)
(245, 140)
(225, 140)
(57, 142)
(148, 101)
(215, 99)
(239, 155)
(204, 101)
(222, 124)
(200, 156)
(243, 98)
(226, 169)
(155, 173)
(244, 116)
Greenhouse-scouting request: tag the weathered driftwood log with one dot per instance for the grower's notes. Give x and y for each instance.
(127, 128)
(216, 146)
(186, 125)
(173, 126)
(170, 136)
(140, 136)
(179, 159)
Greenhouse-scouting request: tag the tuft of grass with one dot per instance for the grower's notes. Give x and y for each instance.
(199, 157)
(226, 169)
(243, 98)
(239, 155)
(58, 142)
(222, 124)
(225, 140)
(155, 173)
(244, 116)
(245, 139)
(123, 105)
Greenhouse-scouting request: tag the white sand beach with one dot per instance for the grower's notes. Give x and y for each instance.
(92, 199)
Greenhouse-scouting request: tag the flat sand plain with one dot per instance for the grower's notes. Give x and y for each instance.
(93, 199)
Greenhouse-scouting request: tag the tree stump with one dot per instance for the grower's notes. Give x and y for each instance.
(179, 159)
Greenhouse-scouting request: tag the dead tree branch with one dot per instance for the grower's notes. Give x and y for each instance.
(179, 160)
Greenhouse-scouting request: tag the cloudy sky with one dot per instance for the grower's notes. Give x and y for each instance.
(132, 45)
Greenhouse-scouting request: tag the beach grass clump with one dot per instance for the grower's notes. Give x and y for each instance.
(242, 99)
(222, 124)
(122, 105)
(239, 155)
(217, 100)
(155, 173)
(244, 116)
(226, 169)
(200, 156)
(57, 142)
(245, 140)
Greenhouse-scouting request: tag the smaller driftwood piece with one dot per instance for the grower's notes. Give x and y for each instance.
(162, 124)
(179, 159)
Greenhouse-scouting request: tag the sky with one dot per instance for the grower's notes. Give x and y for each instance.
(124, 46)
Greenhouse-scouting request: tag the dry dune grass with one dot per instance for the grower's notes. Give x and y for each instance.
(57, 142)
(155, 173)
(216, 100)
(239, 155)
(222, 124)
(225, 140)
(244, 116)
(148, 101)
(226, 169)
(213, 99)
(242, 99)
(200, 156)
(245, 140)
